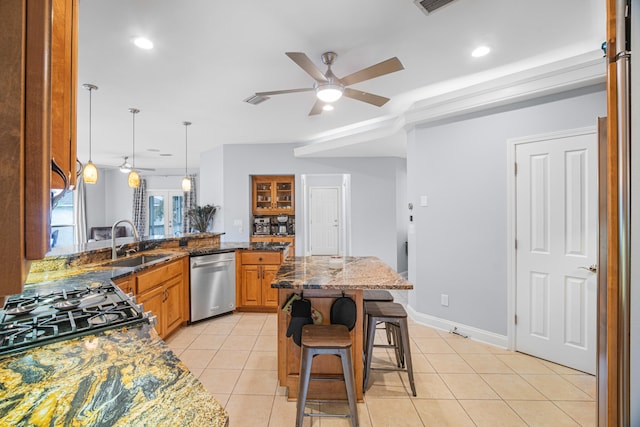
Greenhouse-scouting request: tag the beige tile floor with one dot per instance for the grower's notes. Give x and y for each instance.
(459, 382)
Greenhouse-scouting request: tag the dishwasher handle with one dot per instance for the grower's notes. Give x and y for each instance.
(206, 264)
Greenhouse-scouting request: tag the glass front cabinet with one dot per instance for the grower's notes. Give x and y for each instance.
(273, 195)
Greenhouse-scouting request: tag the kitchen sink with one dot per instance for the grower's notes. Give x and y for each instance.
(136, 261)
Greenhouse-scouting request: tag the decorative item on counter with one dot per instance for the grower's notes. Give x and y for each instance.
(335, 262)
(201, 216)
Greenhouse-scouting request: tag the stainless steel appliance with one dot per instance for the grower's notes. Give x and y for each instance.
(283, 221)
(262, 226)
(56, 313)
(213, 285)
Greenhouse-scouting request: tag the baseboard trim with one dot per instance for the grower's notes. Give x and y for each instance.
(474, 334)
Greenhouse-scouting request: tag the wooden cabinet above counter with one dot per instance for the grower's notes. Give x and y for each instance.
(273, 194)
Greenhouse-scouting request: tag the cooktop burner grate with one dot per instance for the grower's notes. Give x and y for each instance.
(30, 320)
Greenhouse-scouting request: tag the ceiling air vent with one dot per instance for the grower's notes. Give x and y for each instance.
(256, 99)
(430, 6)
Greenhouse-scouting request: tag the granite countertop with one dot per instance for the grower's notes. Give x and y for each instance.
(120, 377)
(346, 273)
(58, 267)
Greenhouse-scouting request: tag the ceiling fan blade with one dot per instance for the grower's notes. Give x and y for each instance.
(317, 108)
(391, 65)
(307, 65)
(367, 97)
(280, 92)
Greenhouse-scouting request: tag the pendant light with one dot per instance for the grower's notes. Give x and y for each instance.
(89, 171)
(134, 177)
(186, 181)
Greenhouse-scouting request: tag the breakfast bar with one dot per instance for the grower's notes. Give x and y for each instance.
(321, 280)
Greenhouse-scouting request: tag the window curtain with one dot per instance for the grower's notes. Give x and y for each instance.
(189, 201)
(139, 213)
(80, 212)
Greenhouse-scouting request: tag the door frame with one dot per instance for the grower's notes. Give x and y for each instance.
(343, 182)
(168, 204)
(512, 144)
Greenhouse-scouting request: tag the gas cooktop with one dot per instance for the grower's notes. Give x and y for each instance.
(54, 314)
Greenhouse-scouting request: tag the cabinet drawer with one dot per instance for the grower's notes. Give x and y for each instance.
(158, 275)
(260, 258)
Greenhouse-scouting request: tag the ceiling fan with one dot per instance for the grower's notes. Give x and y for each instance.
(329, 88)
(125, 167)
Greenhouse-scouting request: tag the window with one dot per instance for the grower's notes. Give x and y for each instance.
(63, 221)
(165, 212)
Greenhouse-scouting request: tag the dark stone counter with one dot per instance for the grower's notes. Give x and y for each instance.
(122, 377)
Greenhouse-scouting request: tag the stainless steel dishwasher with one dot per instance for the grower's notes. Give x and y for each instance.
(213, 285)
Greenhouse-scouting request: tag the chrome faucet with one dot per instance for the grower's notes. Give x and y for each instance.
(114, 251)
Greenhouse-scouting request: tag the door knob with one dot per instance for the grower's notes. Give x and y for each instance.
(592, 268)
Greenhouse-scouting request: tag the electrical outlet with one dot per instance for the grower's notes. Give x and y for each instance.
(444, 300)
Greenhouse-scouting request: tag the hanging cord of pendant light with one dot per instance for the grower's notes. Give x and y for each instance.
(89, 171)
(186, 181)
(134, 178)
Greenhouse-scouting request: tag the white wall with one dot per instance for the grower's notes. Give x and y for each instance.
(373, 191)
(402, 216)
(211, 190)
(111, 199)
(460, 237)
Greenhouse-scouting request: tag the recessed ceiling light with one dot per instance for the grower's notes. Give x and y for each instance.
(153, 150)
(480, 51)
(143, 43)
(165, 155)
(327, 107)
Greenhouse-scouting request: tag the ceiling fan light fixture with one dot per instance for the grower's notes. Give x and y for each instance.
(329, 92)
(125, 167)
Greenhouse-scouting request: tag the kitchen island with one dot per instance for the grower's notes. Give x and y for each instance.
(322, 279)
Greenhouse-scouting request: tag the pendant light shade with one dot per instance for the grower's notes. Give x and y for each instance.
(186, 181)
(186, 184)
(90, 171)
(134, 178)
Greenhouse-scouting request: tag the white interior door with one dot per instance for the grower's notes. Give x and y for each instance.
(165, 212)
(324, 221)
(556, 232)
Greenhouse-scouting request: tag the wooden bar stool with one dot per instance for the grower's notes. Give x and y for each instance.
(395, 316)
(326, 339)
(378, 295)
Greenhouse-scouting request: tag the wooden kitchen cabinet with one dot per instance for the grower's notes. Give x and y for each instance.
(273, 195)
(64, 81)
(163, 290)
(254, 272)
(126, 284)
(25, 127)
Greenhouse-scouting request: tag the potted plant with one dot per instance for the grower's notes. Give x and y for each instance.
(201, 216)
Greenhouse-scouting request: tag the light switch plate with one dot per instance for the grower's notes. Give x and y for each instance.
(423, 201)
